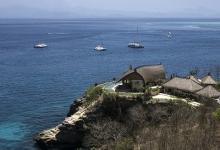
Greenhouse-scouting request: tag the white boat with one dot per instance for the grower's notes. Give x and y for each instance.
(135, 44)
(169, 35)
(40, 45)
(100, 48)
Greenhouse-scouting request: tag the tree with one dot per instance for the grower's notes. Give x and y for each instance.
(137, 115)
(104, 131)
(130, 67)
(195, 71)
(217, 71)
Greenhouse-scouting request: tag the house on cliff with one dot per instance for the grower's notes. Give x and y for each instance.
(209, 91)
(143, 75)
(208, 80)
(192, 86)
(192, 77)
(181, 85)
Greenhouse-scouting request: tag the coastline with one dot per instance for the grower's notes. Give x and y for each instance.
(71, 132)
(39, 86)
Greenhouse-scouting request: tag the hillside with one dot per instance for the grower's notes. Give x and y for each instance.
(110, 121)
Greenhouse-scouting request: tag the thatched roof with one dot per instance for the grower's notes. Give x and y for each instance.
(208, 80)
(149, 73)
(209, 91)
(184, 84)
(194, 78)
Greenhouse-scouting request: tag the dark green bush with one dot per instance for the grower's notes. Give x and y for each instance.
(139, 98)
(110, 104)
(216, 114)
(125, 144)
(92, 94)
(218, 85)
(138, 89)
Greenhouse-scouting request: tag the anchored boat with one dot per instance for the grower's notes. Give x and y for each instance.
(135, 44)
(40, 45)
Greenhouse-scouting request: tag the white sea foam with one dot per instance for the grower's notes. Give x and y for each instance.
(194, 27)
(58, 33)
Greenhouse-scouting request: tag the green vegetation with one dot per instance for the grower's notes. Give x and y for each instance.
(217, 86)
(124, 144)
(194, 72)
(92, 94)
(216, 114)
(130, 123)
(138, 89)
(110, 102)
(171, 125)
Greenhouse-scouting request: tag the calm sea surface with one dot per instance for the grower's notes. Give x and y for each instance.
(37, 86)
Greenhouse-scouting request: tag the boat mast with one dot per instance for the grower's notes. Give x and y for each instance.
(100, 39)
(137, 34)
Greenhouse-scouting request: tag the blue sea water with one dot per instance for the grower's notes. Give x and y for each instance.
(37, 86)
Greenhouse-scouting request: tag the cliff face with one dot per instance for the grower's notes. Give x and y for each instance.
(73, 129)
(141, 118)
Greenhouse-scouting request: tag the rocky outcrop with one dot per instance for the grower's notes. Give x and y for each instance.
(75, 107)
(72, 130)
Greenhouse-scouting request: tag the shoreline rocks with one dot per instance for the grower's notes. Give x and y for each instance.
(72, 130)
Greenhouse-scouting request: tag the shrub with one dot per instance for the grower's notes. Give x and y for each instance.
(125, 144)
(92, 94)
(216, 114)
(138, 89)
(139, 98)
(104, 131)
(136, 116)
(218, 85)
(110, 104)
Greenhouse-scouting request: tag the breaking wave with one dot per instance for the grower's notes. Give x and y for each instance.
(193, 27)
(58, 33)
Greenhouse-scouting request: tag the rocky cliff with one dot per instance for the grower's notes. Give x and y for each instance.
(141, 119)
(71, 132)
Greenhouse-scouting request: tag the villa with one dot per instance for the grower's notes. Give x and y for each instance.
(208, 80)
(191, 86)
(143, 75)
(181, 85)
(154, 75)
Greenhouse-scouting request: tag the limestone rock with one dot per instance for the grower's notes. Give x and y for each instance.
(72, 130)
(74, 127)
(74, 107)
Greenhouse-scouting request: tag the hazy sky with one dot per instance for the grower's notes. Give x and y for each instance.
(135, 5)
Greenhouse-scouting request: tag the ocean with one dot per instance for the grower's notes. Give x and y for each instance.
(37, 86)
